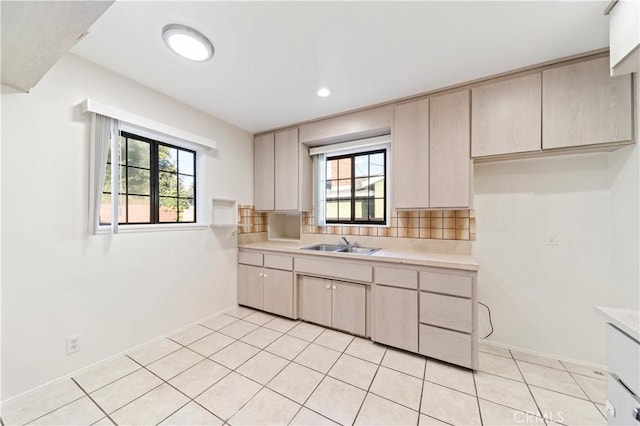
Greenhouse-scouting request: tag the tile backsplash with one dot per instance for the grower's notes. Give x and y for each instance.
(433, 224)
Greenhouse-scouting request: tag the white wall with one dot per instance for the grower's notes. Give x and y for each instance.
(117, 291)
(542, 296)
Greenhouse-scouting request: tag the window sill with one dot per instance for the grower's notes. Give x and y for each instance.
(356, 225)
(132, 229)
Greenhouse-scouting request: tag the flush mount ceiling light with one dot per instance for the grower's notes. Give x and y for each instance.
(187, 42)
(324, 92)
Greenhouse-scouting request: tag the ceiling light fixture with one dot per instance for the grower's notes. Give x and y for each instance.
(187, 42)
(324, 92)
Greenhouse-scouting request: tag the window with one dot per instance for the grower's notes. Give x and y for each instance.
(355, 188)
(156, 183)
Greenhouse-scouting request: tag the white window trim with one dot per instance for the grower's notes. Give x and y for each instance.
(144, 127)
(320, 155)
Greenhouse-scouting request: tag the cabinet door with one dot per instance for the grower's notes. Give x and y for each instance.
(286, 174)
(315, 300)
(582, 105)
(278, 292)
(348, 307)
(410, 158)
(449, 156)
(506, 117)
(395, 317)
(250, 286)
(264, 172)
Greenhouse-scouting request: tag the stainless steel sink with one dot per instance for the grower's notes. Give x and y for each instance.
(324, 247)
(339, 248)
(359, 250)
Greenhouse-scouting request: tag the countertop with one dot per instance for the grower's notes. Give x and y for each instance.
(626, 320)
(401, 256)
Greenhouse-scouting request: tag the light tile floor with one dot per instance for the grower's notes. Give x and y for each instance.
(251, 368)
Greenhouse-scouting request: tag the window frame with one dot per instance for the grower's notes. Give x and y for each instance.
(352, 221)
(154, 178)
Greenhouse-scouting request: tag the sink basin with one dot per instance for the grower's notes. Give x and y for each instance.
(359, 250)
(338, 248)
(324, 247)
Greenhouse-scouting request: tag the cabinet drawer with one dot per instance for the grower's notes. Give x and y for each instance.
(335, 268)
(250, 258)
(446, 311)
(457, 285)
(403, 278)
(446, 345)
(278, 262)
(623, 354)
(623, 403)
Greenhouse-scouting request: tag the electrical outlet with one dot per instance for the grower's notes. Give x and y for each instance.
(73, 344)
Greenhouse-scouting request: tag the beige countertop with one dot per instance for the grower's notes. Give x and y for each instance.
(401, 256)
(626, 320)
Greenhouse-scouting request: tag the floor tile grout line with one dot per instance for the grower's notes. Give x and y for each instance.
(321, 380)
(582, 388)
(475, 386)
(51, 411)
(92, 400)
(424, 378)
(535, 401)
(371, 384)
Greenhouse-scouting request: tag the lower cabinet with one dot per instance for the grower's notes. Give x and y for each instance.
(335, 304)
(267, 289)
(395, 317)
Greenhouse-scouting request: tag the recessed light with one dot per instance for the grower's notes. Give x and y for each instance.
(324, 92)
(187, 42)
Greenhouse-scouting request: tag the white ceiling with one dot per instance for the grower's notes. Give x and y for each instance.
(271, 57)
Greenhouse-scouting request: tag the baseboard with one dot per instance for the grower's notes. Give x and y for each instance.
(560, 358)
(111, 358)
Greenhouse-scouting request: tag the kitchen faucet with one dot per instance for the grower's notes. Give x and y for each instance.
(348, 243)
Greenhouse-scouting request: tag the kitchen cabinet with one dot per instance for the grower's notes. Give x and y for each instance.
(431, 153)
(506, 117)
(331, 303)
(282, 172)
(266, 287)
(624, 37)
(264, 172)
(448, 317)
(582, 105)
(410, 148)
(449, 150)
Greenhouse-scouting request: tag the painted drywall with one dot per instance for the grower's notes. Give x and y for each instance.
(116, 291)
(542, 295)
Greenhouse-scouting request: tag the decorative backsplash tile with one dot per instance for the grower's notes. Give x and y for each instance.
(434, 224)
(250, 220)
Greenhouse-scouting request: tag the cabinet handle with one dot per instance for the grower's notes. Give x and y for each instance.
(264, 275)
(260, 274)
(328, 286)
(334, 287)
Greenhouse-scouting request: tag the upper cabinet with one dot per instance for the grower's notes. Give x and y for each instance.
(431, 162)
(449, 145)
(410, 147)
(506, 117)
(282, 172)
(264, 172)
(624, 36)
(583, 105)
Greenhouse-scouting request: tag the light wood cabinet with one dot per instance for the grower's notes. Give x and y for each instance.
(582, 105)
(624, 37)
(264, 172)
(335, 304)
(506, 117)
(282, 173)
(431, 157)
(449, 145)
(410, 149)
(250, 286)
(264, 288)
(395, 317)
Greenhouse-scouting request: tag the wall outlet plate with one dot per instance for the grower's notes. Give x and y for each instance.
(73, 344)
